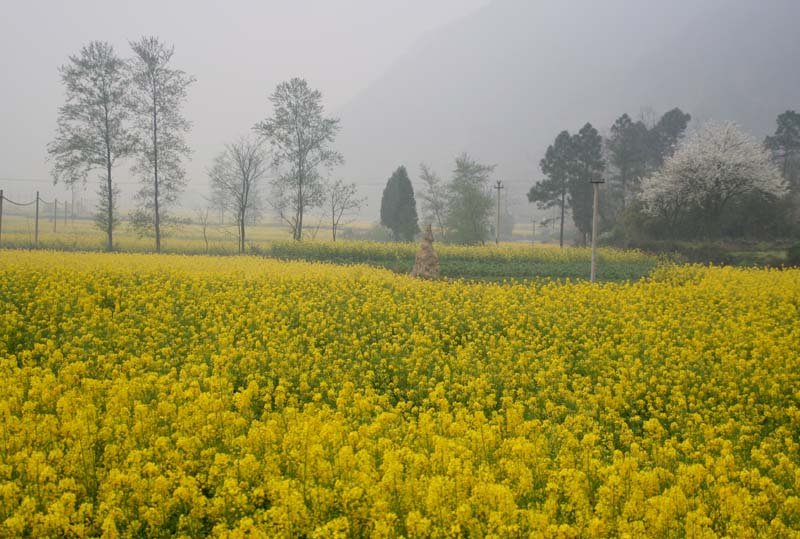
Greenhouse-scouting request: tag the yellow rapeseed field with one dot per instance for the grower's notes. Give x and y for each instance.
(170, 396)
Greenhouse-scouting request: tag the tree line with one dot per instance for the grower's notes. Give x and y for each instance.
(460, 210)
(661, 184)
(119, 108)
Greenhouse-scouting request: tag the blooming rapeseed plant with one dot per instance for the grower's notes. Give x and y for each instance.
(171, 396)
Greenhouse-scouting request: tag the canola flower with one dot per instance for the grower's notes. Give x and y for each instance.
(518, 261)
(172, 396)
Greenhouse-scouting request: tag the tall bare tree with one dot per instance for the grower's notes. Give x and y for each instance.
(92, 133)
(158, 93)
(301, 139)
(236, 178)
(341, 200)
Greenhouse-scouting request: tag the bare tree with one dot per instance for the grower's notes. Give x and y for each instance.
(434, 197)
(236, 177)
(300, 137)
(158, 93)
(341, 200)
(202, 218)
(92, 132)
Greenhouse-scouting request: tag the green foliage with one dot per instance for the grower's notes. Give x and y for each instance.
(434, 199)
(552, 191)
(571, 164)
(635, 152)
(586, 166)
(488, 263)
(785, 146)
(107, 218)
(628, 154)
(398, 206)
(469, 202)
(757, 215)
(664, 137)
(793, 255)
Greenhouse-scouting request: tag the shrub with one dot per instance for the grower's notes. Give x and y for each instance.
(793, 255)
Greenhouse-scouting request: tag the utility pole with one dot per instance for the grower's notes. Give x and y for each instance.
(533, 230)
(595, 221)
(498, 186)
(36, 234)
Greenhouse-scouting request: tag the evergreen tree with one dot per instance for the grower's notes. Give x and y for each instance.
(469, 202)
(586, 166)
(785, 145)
(627, 151)
(552, 191)
(398, 206)
(665, 136)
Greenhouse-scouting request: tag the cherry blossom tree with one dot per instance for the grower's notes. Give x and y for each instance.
(710, 169)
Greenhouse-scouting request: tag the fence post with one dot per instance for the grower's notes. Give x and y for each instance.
(55, 215)
(1, 216)
(36, 228)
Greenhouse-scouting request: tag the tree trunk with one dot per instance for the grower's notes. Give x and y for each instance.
(110, 224)
(300, 212)
(785, 163)
(110, 201)
(561, 230)
(241, 235)
(298, 223)
(624, 180)
(155, 170)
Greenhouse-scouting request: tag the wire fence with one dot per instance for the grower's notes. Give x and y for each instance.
(38, 204)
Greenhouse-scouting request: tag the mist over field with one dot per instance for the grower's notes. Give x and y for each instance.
(502, 82)
(411, 82)
(238, 54)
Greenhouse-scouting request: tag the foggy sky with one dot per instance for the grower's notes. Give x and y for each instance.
(414, 80)
(237, 50)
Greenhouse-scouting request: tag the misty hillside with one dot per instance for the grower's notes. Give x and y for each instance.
(501, 83)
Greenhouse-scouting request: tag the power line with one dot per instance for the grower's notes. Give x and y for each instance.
(50, 181)
(25, 180)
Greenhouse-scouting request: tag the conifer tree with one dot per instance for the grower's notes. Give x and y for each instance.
(398, 206)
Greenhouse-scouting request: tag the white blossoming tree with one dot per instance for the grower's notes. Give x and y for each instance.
(710, 169)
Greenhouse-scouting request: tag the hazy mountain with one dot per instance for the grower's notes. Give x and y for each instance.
(502, 82)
